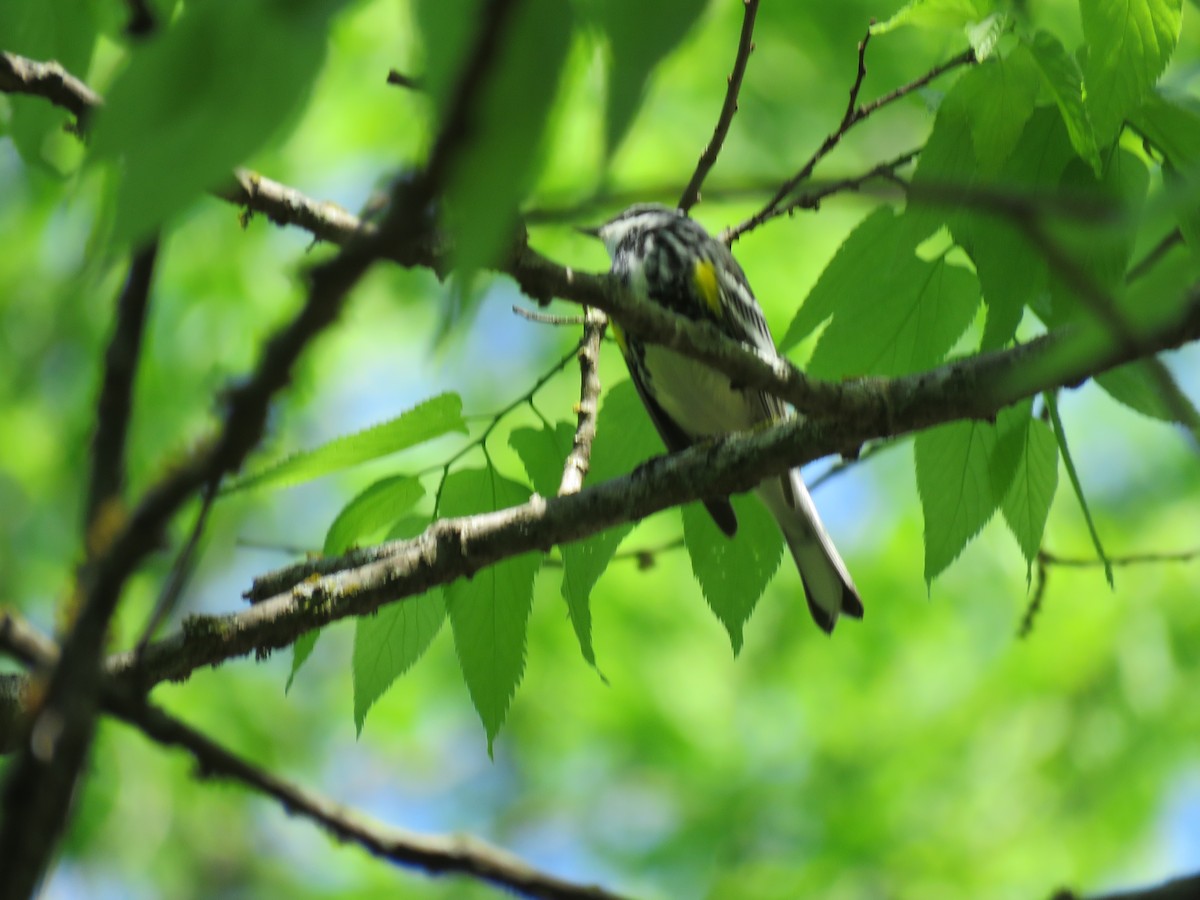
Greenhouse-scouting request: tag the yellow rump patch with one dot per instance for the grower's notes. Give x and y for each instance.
(704, 276)
(620, 336)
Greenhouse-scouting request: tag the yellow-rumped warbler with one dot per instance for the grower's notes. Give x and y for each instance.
(669, 259)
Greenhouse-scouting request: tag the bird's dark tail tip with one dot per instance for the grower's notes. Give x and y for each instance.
(851, 606)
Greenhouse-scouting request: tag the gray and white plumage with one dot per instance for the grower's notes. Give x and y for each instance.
(670, 259)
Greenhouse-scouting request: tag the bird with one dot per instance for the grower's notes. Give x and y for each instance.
(663, 256)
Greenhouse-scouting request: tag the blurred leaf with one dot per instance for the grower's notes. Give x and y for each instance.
(1012, 271)
(1062, 77)
(301, 650)
(388, 643)
(986, 34)
(625, 437)
(60, 30)
(495, 169)
(890, 311)
(543, 452)
(1101, 249)
(1172, 124)
(1129, 43)
(1060, 435)
(999, 94)
(377, 507)
(1027, 503)
(954, 14)
(203, 96)
(489, 611)
(733, 572)
(433, 418)
(964, 471)
(640, 35)
(1137, 386)
(374, 509)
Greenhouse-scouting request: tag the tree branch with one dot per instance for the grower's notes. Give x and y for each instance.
(114, 408)
(691, 193)
(40, 782)
(579, 459)
(49, 80)
(853, 116)
(309, 595)
(434, 855)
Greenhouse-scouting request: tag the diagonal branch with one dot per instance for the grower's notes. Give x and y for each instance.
(40, 782)
(691, 193)
(114, 409)
(310, 595)
(853, 116)
(49, 80)
(434, 855)
(579, 459)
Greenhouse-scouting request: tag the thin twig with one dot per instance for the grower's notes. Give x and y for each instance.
(142, 21)
(1047, 560)
(853, 115)
(114, 408)
(729, 106)
(181, 569)
(399, 79)
(811, 199)
(49, 80)
(579, 459)
(1132, 559)
(546, 318)
(1153, 256)
(1035, 599)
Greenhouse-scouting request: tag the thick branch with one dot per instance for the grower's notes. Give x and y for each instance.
(435, 855)
(312, 594)
(40, 783)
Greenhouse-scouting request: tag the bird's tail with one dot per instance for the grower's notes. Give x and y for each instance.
(828, 588)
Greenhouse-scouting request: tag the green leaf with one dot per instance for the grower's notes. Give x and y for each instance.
(494, 170)
(947, 161)
(1101, 249)
(388, 643)
(1060, 435)
(625, 437)
(943, 14)
(433, 418)
(1139, 387)
(999, 94)
(985, 35)
(489, 611)
(1063, 79)
(1027, 503)
(61, 30)
(733, 572)
(964, 471)
(1129, 43)
(373, 510)
(302, 649)
(640, 35)
(891, 311)
(1011, 271)
(202, 97)
(543, 452)
(1172, 124)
